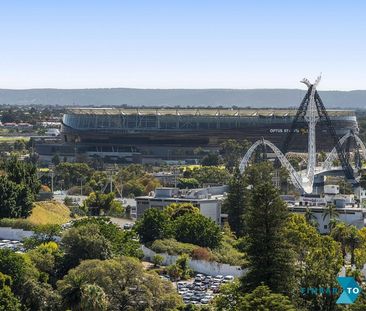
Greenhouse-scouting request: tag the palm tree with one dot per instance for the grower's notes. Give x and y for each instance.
(71, 291)
(331, 212)
(93, 298)
(353, 241)
(310, 217)
(340, 234)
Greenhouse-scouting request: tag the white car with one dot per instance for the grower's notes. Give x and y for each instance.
(218, 279)
(228, 278)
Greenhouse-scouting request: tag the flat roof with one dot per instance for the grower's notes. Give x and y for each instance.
(245, 112)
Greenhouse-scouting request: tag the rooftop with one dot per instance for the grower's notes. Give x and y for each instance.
(245, 112)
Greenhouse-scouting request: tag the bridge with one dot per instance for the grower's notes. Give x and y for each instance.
(311, 109)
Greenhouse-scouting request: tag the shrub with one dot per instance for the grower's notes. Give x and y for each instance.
(227, 253)
(202, 253)
(16, 223)
(76, 190)
(157, 260)
(172, 247)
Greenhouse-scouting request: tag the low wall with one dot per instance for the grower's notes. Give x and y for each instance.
(201, 266)
(7, 233)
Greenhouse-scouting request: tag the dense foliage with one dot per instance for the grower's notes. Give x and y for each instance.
(180, 221)
(19, 186)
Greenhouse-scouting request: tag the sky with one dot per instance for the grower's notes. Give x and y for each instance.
(182, 44)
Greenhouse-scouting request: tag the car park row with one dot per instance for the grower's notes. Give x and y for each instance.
(13, 245)
(203, 288)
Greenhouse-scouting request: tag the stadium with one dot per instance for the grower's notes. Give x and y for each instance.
(147, 135)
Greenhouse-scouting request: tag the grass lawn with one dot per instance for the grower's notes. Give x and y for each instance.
(49, 212)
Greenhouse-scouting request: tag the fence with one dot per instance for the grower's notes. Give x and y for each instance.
(201, 266)
(7, 233)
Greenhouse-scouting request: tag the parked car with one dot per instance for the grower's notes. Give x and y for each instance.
(205, 301)
(218, 278)
(228, 278)
(127, 226)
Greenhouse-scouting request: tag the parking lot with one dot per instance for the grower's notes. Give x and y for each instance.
(203, 288)
(14, 245)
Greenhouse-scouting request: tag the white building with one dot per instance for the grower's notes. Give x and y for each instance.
(348, 210)
(207, 200)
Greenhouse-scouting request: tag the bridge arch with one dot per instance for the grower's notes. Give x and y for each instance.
(333, 154)
(294, 176)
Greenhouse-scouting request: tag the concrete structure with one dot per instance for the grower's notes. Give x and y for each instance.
(208, 200)
(349, 211)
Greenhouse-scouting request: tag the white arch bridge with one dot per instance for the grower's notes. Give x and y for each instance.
(303, 180)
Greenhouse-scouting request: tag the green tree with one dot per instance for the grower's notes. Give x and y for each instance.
(15, 199)
(39, 296)
(211, 175)
(70, 290)
(187, 183)
(353, 241)
(122, 242)
(17, 267)
(211, 159)
(232, 151)
(98, 202)
(154, 225)
(261, 298)
(360, 250)
(259, 173)
(56, 159)
(157, 260)
(332, 214)
(23, 173)
(310, 217)
(93, 298)
(271, 260)
(183, 264)
(235, 203)
(84, 242)
(318, 262)
(8, 301)
(72, 173)
(197, 229)
(125, 283)
(322, 264)
(176, 210)
(340, 234)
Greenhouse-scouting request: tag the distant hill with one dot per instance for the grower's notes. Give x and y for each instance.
(178, 97)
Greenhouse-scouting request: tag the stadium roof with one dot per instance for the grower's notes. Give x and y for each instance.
(244, 112)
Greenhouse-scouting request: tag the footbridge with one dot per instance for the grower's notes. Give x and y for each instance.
(311, 110)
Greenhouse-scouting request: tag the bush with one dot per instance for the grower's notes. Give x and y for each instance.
(227, 253)
(172, 247)
(76, 190)
(202, 253)
(77, 211)
(157, 260)
(16, 223)
(117, 210)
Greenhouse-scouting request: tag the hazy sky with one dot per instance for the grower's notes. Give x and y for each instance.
(182, 44)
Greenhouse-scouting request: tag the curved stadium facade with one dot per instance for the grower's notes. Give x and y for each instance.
(151, 135)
